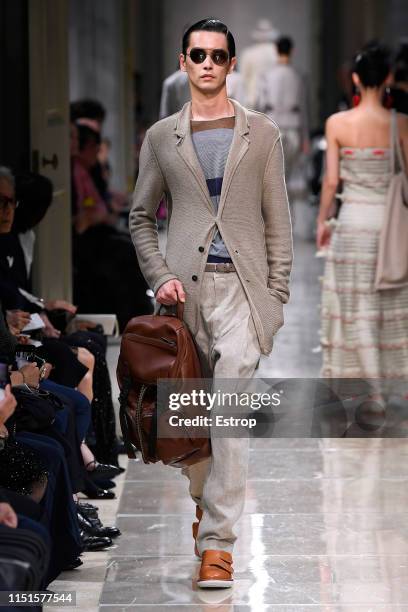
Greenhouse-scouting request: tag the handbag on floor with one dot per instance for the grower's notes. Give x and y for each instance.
(157, 347)
(392, 261)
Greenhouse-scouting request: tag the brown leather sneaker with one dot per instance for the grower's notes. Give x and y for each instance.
(199, 515)
(216, 570)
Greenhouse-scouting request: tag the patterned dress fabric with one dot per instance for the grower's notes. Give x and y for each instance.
(364, 332)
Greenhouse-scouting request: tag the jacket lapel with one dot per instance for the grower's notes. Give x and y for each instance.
(185, 148)
(239, 146)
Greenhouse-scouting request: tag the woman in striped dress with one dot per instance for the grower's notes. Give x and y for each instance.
(364, 332)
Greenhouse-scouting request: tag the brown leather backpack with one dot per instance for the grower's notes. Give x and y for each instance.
(157, 347)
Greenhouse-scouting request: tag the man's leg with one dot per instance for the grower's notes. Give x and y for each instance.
(228, 340)
(197, 473)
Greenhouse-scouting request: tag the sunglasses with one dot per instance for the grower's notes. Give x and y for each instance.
(6, 201)
(218, 56)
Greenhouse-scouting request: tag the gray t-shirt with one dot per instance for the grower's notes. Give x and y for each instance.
(212, 142)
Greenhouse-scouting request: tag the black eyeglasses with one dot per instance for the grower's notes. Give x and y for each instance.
(6, 201)
(218, 56)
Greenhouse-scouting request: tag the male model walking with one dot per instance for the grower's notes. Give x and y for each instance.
(229, 254)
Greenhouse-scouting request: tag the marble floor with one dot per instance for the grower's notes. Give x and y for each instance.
(324, 528)
(325, 524)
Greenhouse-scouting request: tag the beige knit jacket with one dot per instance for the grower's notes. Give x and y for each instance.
(253, 215)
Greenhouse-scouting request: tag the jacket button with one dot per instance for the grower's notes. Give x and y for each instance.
(194, 277)
(201, 249)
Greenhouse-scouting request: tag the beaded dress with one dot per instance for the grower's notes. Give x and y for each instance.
(364, 332)
(21, 467)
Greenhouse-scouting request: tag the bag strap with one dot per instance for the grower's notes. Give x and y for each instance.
(395, 145)
(179, 310)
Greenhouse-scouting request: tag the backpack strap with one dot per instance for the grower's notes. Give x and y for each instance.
(178, 310)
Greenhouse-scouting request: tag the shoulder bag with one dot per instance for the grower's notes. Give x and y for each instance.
(392, 261)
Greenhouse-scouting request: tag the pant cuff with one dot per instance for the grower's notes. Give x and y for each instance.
(214, 545)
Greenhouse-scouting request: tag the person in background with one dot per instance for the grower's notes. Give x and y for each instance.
(90, 209)
(258, 58)
(92, 114)
(236, 86)
(364, 332)
(175, 93)
(88, 108)
(282, 96)
(117, 200)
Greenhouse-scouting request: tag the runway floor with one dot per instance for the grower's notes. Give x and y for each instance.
(325, 526)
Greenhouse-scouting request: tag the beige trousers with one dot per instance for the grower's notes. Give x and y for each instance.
(228, 348)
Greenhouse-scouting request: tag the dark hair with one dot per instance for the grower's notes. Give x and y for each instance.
(372, 64)
(284, 45)
(401, 64)
(210, 25)
(91, 109)
(85, 135)
(34, 194)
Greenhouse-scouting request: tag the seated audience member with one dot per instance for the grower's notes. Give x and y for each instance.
(46, 463)
(77, 407)
(24, 552)
(15, 287)
(79, 360)
(28, 518)
(62, 514)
